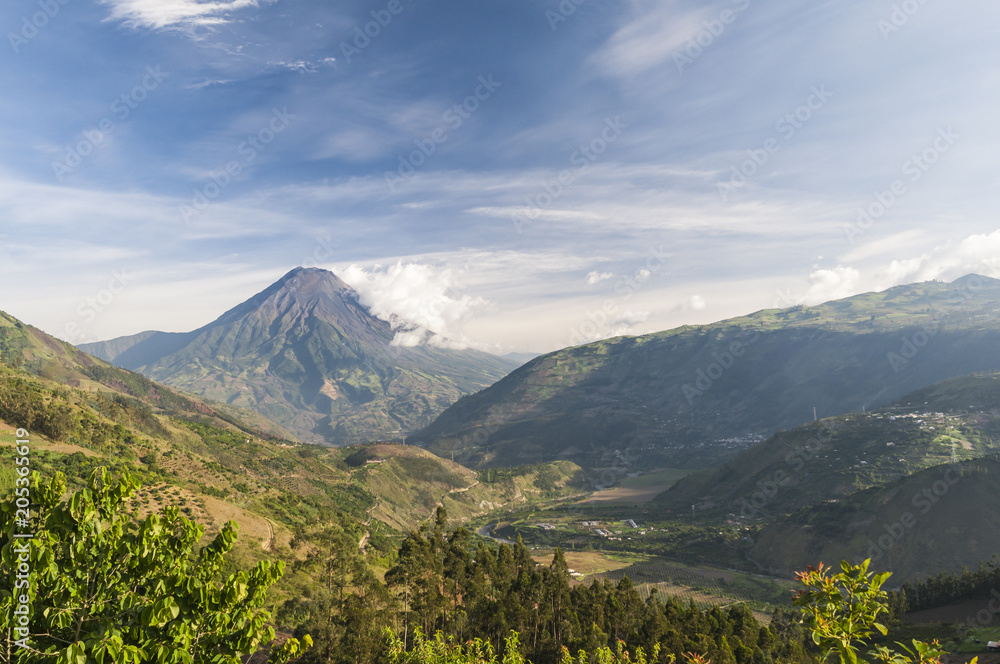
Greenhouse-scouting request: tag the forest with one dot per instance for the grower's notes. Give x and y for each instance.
(442, 582)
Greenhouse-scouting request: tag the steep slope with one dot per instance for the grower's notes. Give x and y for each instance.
(694, 396)
(27, 351)
(307, 354)
(940, 519)
(219, 462)
(951, 421)
(408, 483)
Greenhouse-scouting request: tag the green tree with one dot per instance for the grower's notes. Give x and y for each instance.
(842, 611)
(105, 587)
(346, 615)
(441, 650)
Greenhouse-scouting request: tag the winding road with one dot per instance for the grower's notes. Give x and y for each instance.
(269, 544)
(487, 531)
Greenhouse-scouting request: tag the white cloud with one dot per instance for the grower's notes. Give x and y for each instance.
(303, 66)
(978, 254)
(408, 338)
(418, 299)
(826, 285)
(886, 245)
(630, 318)
(975, 254)
(356, 143)
(655, 32)
(696, 302)
(624, 324)
(535, 213)
(158, 14)
(693, 303)
(594, 278)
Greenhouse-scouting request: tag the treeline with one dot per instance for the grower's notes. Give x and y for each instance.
(26, 404)
(138, 386)
(947, 588)
(440, 582)
(99, 422)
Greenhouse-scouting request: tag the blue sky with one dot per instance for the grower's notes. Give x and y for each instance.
(517, 175)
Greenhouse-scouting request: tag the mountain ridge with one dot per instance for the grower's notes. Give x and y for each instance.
(686, 397)
(308, 354)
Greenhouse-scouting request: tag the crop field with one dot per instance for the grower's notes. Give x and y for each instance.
(639, 489)
(588, 563)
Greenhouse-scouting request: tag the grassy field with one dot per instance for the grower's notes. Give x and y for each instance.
(639, 489)
(588, 563)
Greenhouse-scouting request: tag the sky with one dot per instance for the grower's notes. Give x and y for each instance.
(515, 176)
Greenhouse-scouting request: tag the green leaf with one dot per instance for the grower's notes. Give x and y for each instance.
(75, 654)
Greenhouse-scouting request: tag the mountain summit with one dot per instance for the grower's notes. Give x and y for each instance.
(309, 355)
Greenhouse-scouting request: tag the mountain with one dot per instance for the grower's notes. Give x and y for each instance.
(408, 483)
(948, 422)
(308, 355)
(218, 462)
(940, 519)
(697, 395)
(29, 352)
(520, 358)
(914, 485)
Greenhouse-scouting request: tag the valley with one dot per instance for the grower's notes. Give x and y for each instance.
(592, 458)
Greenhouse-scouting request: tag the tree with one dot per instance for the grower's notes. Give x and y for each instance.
(842, 611)
(105, 587)
(346, 615)
(441, 650)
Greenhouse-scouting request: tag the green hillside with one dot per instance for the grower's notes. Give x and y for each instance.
(940, 519)
(305, 353)
(222, 463)
(838, 456)
(697, 395)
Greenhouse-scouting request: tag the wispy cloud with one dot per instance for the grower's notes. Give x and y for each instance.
(303, 66)
(595, 277)
(159, 14)
(536, 213)
(653, 32)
